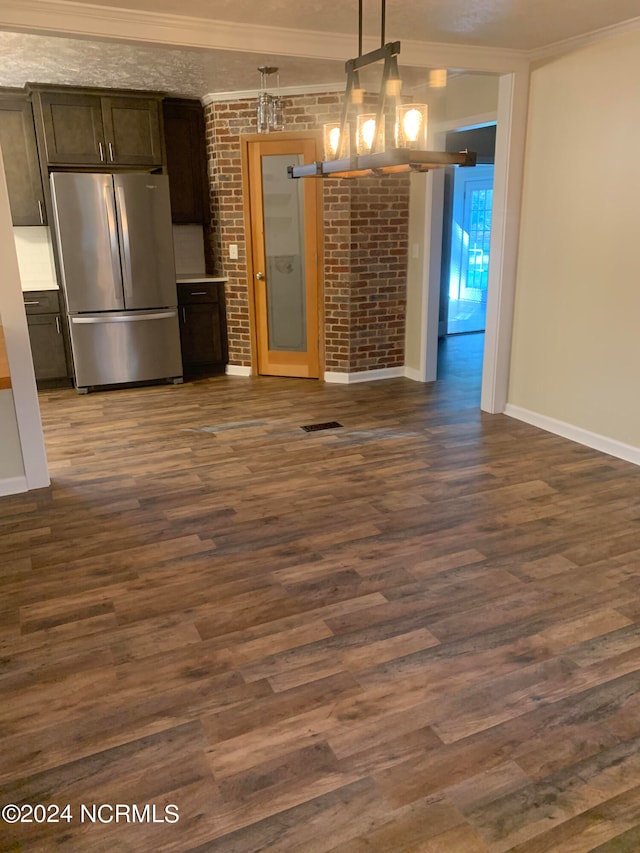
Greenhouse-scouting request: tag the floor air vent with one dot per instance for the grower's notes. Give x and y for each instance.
(316, 427)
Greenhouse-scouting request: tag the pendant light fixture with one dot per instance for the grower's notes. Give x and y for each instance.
(269, 112)
(357, 144)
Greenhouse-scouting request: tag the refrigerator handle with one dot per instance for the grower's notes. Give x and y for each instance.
(107, 195)
(123, 225)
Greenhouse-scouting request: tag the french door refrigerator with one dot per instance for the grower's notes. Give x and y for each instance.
(115, 246)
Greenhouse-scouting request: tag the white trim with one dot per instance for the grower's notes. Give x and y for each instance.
(513, 96)
(13, 486)
(283, 91)
(364, 375)
(87, 19)
(237, 370)
(415, 375)
(431, 298)
(568, 45)
(23, 382)
(470, 123)
(582, 436)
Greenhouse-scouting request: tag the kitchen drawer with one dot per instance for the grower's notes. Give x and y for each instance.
(200, 292)
(42, 302)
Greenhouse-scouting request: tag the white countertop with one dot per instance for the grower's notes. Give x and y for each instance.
(198, 279)
(29, 286)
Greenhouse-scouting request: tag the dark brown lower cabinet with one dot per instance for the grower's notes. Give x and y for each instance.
(46, 336)
(203, 328)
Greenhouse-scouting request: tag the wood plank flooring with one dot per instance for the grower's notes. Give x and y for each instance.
(417, 632)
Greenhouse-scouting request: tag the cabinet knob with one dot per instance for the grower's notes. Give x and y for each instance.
(260, 276)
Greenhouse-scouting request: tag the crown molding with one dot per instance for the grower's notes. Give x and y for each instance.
(66, 17)
(282, 91)
(559, 48)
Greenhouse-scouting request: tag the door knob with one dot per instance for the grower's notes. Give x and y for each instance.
(260, 276)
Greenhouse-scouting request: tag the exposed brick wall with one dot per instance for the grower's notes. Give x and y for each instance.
(365, 243)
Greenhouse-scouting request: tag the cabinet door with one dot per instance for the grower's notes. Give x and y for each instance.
(184, 136)
(73, 128)
(201, 337)
(132, 131)
(47, 346)
(18, 142)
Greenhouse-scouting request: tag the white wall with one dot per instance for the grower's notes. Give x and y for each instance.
(35, 258)
(12, 478)
(576, 342)
(20, 405)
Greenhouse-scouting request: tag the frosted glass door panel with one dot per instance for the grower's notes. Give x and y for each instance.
(284, 249)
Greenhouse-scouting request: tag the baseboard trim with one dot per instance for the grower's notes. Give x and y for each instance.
(582, 436)
(415, 375)
(364, 375)
(13, 486)
(237, 370)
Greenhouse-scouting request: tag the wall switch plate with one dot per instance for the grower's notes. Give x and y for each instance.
(233, 251)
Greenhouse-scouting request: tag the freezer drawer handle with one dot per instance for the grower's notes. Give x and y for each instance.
(130, 318)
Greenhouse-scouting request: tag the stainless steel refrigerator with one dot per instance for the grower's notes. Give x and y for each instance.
(115, 246)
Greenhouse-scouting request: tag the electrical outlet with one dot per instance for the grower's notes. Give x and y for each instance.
(233, 251)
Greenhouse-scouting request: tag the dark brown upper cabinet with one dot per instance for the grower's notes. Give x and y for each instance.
(22, 168)
(184, 133)
(94, 129)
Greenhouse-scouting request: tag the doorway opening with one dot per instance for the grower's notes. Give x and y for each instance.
(469, 256)
(468, 207)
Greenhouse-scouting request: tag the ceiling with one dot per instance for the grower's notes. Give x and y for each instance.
(53, 41)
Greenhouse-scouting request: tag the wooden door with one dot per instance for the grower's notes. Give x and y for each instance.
(284, 263)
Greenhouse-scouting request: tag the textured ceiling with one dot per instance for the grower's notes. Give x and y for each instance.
(519, 24)
(524, 25)
(176, 71)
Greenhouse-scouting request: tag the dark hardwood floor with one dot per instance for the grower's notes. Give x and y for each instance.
(416, 632)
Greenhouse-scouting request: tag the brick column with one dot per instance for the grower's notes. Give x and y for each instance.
(365, 244)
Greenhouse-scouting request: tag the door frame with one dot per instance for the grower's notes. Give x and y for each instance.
(511, 119)
(285, 136)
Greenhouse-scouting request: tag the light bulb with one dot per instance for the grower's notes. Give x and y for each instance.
(412, 122)
(334, 140)
(411, 126)
(368, 132)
